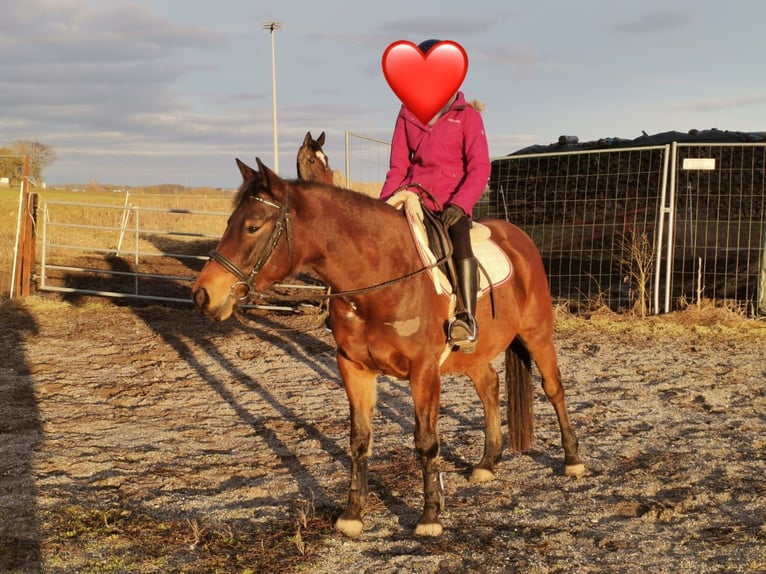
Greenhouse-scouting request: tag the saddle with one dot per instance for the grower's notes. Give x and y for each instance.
(433, 244)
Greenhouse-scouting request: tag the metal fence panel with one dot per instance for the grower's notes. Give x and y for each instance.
(719, 216)
(660, 226)
(593, 215)
(124, 251)
(367, 159)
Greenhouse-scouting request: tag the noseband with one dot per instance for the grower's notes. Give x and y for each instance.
(245, 280)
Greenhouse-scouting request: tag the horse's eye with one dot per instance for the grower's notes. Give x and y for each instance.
(252, 229)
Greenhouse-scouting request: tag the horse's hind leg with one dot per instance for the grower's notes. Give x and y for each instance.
(487, 386)
(544, 354)
(362, 393)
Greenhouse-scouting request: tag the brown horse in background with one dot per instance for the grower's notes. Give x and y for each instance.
(387, 318)
(312, 163)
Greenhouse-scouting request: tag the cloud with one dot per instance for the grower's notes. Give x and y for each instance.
(714, 104)
(121, 54)
(512, 54)
(655, 21)
(83, 75)
(438, 26)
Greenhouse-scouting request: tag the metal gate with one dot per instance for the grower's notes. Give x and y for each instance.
(126, 251)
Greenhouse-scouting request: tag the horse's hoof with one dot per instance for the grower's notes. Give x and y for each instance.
(350, 527)
(431, 529)
(575, 470)
(481, 475)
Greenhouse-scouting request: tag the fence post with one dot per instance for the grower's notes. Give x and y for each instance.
(662, 212)
(25, 242)
(671, 225)
(124, 221)
(348, 162)
(762, 278)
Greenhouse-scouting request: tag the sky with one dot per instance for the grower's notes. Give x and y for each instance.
(143, 92)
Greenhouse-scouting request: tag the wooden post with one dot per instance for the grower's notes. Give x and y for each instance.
(25, 254)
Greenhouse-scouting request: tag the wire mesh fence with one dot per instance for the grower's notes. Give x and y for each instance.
(648, 229)
(366, 163)
(718, 245)
(593, 216)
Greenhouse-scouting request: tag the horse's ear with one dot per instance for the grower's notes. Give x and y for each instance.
(268, 177)
(320, 140)
(262, 169)
(247, 172)
(307, 139)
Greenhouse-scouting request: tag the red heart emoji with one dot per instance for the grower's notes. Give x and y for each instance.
(424, 83)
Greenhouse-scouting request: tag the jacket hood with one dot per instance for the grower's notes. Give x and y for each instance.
(459, 104)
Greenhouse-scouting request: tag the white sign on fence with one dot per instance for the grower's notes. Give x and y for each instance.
(702, 163)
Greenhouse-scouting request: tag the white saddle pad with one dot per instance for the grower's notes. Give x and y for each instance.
(495, 265)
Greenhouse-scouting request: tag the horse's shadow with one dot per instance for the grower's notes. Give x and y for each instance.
(19, 527)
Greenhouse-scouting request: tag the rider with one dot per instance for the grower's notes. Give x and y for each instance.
(448, 157)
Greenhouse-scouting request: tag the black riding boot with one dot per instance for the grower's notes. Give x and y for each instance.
(463, 329)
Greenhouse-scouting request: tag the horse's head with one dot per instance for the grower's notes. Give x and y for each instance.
(256, 248)
(312, 163)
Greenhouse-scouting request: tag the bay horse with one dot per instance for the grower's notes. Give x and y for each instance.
(312, 163)
(388, 319)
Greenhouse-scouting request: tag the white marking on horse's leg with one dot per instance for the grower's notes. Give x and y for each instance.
(351, 528)
(433, 529)
(576, 470)
(481, 475)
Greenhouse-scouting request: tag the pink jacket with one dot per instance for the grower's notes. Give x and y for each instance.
(449, 159)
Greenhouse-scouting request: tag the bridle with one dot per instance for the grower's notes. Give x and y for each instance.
(247, 280)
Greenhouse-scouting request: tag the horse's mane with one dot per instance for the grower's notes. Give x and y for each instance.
(349, 198)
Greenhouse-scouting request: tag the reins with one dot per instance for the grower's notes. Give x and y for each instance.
(361, 290)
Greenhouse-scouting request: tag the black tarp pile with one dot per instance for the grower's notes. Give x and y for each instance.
(572, 143)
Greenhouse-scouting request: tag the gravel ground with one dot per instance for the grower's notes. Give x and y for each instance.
(158, 414)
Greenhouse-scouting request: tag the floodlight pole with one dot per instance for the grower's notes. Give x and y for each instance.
(272, 27)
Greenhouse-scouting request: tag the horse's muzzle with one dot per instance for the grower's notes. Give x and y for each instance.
(201, 299)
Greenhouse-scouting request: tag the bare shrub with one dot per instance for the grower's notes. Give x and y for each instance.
(636, 260)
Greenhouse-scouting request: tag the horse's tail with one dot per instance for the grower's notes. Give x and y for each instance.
(519, 397)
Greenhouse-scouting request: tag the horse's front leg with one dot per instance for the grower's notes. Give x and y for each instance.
(425, 383)
(360, 386)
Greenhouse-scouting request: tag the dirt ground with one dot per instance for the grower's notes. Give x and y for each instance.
(149, 439)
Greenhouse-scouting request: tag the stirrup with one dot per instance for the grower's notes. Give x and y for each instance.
(462, 332)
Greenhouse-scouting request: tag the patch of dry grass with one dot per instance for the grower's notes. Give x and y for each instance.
(706, 319)
(138, 541)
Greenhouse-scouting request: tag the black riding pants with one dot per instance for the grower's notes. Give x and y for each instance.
(460, 234)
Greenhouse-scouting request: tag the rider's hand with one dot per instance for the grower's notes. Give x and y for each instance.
(451, 214)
